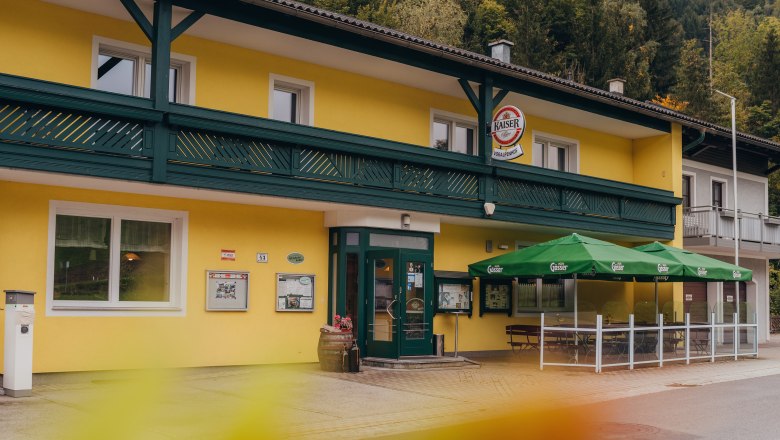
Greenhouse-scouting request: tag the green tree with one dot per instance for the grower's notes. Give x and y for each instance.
(765, 81)
(437, 20)
(490, 22)
(667, 32)
(338, 6)
(381, 12)
(693, 80)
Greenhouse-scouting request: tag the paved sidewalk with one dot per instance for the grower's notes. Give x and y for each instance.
(300, 401)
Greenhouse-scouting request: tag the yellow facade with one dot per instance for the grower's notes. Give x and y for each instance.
(235, 79)
(260, 335)
(54, 43)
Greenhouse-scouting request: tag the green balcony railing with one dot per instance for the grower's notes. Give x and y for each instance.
(54, 127)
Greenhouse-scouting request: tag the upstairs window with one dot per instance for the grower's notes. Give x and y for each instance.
(291, 100)
(717, 193)
(555, 154)
(686, 191)
(453, 133)
(125, 68)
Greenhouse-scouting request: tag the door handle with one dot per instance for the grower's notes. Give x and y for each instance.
(388, 308)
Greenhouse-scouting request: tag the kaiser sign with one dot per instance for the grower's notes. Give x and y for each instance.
(507, 128)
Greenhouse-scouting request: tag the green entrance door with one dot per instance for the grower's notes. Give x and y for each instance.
(399, 304)
(416, 304)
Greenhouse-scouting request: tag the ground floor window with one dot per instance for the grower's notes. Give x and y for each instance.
(113, 257)
(541, 295)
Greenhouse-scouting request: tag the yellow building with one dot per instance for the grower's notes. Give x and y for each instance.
(188, 183)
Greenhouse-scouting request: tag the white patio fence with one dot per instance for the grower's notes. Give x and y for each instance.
(628, 344)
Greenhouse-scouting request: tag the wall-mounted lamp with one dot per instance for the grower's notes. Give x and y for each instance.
(406, 221)
(490, 208)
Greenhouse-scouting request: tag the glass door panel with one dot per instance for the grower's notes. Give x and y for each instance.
(383, 309)
(417, 315)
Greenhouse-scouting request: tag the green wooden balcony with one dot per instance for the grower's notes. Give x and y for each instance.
(57, 128)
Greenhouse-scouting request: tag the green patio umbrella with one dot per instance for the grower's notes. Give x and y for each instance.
(585, 257)
(579, 257)
(696, 267)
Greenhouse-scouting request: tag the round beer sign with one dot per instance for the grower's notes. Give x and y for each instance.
(507, 128)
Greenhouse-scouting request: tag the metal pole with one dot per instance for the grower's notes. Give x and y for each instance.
(456, 334)
(734, 172)
(541, 342)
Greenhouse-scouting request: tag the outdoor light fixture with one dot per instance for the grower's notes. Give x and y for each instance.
(490, 208)
(406, 221)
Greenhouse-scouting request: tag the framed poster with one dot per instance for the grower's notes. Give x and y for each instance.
(294, 292)
(227, 290)
(495, 296)
(453, 295)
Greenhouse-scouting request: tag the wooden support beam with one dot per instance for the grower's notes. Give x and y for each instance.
(499, 97)
(139, 17)
(186, 23)
(464, 84)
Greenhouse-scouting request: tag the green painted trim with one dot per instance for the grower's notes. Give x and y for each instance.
(74, 162)
(137, 169)
(499, 97)
(313, 190)
(582, 182)
(268, 129)
(464, 84)
(186, 23)
(484, 114)
(161, 53)
(139, 17)
(49, 94)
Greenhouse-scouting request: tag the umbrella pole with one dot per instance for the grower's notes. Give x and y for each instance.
(656, 300)
(576, 324)
(575, 301)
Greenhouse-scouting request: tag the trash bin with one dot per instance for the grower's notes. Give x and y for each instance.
(438, 345)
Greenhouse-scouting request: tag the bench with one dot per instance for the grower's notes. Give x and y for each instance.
(523, 336)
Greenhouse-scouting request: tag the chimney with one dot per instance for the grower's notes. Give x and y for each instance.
(616, 85)
(501, 50)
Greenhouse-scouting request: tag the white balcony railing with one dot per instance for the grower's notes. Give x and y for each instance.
(712, 221)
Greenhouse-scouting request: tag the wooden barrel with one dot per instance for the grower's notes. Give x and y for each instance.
(331, 348)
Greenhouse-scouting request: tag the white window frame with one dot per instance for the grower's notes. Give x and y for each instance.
(568, 293)
(572, 147)
(453, 119)
(726, 199)
(305, 91)
(175, 306)
(692, 189)
(184, 64)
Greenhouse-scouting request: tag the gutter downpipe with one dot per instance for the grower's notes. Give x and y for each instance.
(696, 142)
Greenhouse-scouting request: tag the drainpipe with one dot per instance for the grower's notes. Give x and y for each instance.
(695, 143)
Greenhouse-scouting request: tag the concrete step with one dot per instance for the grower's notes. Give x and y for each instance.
(420, 362)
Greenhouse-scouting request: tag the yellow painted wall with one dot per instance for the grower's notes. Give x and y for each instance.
(55, 44)
(658, 164)
(260, 335)
(235, 79)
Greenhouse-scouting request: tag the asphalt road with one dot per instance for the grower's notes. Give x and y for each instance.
(744, 409)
